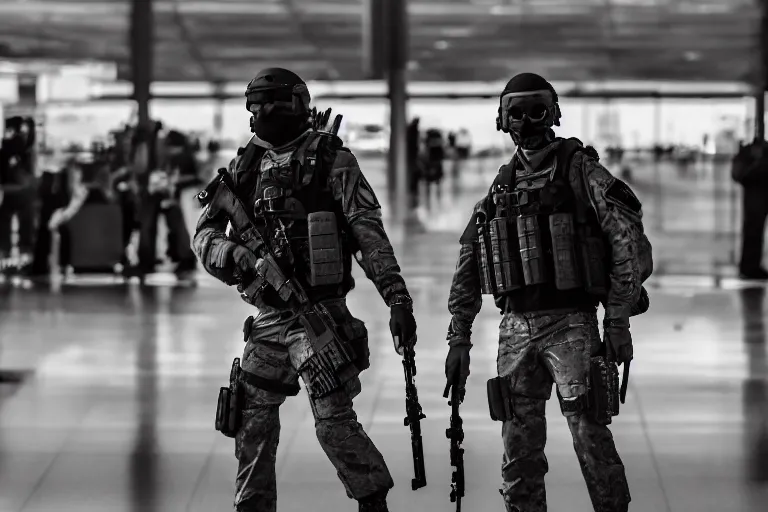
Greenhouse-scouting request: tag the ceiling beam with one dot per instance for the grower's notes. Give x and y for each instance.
(303, 30)
(191, 44)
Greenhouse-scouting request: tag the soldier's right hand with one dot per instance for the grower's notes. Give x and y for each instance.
(618, 340)
(245, 260)
(457, 366)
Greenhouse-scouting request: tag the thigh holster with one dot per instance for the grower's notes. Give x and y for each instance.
(500, 399)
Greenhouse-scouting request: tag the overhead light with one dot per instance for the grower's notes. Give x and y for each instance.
(457, 31)
(413, 65)
(692, 56)
(441, 45)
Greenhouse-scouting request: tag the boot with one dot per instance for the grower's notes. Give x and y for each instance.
(374, 503)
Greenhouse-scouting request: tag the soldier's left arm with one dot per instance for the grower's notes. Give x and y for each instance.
(363, 214)
(619, 212)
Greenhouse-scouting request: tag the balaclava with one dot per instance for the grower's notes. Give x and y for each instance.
(528, 109)
(279, 103)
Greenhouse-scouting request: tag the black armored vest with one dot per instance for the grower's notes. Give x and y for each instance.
(538, 244)
(296, 211)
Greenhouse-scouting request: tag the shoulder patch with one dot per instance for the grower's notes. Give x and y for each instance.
(240, 151)
(364, 197)
(620, 192)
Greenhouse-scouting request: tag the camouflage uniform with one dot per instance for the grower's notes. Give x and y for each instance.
(277, 346)
(541, 347)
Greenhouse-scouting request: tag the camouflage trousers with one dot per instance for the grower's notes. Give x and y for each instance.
(535, 350)
(359, 465)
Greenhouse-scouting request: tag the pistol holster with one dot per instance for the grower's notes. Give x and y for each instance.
(230, 404)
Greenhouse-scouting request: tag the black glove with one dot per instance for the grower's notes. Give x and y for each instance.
(457, 366)
(245, 260)
(618, 340)
(402, 325)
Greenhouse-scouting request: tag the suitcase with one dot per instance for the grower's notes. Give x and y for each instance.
(96, 238)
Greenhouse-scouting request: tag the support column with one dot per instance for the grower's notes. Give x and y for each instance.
(142, 53)
(762, 72)
(395, 70)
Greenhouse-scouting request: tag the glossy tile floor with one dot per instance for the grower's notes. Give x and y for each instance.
(116, 412)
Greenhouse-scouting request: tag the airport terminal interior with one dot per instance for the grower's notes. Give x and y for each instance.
(111, 357)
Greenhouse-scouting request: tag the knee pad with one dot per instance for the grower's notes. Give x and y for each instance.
(269, 368)
(573, 405)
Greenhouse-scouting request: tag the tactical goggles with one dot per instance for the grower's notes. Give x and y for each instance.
(294, 98)
(534, 105)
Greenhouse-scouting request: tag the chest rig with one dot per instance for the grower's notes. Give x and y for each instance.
(538, 241)
(297, 212)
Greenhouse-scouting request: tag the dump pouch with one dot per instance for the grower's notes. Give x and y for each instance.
(593, 264)
(567, 276)
(500, 399)
(506, 271)
(603, 390)
(483, 253)
(325, 256)
(531, 250)
(229, 410)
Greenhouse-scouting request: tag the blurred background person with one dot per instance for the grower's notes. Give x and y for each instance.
(412, 143)
(17, 182)
(173, 169)
(434, 154)
(750, 170)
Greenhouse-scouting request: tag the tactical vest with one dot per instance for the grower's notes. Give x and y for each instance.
(538, 244)
(296, 211)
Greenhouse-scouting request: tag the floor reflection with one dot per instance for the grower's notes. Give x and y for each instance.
(755, 384)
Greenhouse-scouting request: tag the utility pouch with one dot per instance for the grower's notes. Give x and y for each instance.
(331, 366)
(603, 390)
(229, 410)
(328, 370)
(483, 254)
(507, 274)
(567, 275)
(593, 265)
(500, 399)
(531, 250)
(325, 258)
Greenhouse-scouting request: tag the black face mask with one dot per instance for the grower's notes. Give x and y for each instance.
(278, 128)
(530, 135)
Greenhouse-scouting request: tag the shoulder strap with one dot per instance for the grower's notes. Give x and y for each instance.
(250, 153)
(565, 153)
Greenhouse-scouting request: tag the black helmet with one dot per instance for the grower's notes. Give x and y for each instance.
(279, 86)
(528, 82)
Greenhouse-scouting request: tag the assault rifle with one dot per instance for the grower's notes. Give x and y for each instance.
(414, 415)
(456, 435)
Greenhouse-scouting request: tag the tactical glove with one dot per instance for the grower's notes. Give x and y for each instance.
(402, 325)
(618, 340)
(245, 260)
(457, 366)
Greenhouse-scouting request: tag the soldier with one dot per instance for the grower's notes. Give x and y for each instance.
(536, 243)
(288, 172)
